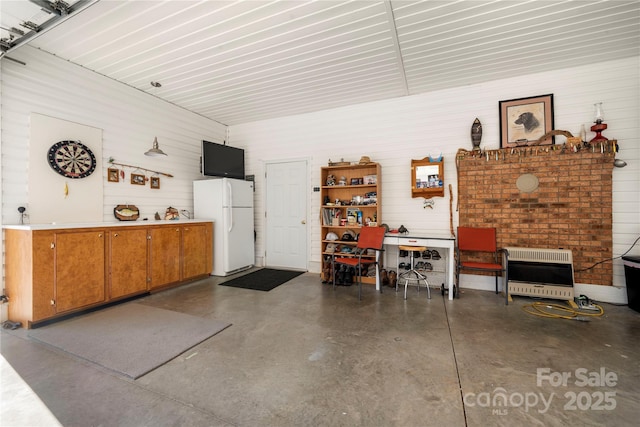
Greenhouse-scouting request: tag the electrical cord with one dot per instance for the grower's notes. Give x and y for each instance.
(611, 259)
(8, 324)
(557, 311)
(542, 309)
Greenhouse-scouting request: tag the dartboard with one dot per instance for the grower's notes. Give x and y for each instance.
(71, 159)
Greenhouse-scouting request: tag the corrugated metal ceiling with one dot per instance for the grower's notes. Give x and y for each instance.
(237, 62)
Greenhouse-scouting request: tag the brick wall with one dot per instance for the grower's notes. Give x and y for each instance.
(571, 208)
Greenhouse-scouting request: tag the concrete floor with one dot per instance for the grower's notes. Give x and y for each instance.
(306, 355)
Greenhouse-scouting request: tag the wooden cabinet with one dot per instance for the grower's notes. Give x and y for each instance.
(350, 198)
(49, 273)
(39, 253)
(79, 269)
(128, 262)
(53, 272)
(180, 252)
(29, 259)
(164, 255)
(197, 250)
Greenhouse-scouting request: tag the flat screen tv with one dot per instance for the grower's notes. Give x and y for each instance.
(222, 160)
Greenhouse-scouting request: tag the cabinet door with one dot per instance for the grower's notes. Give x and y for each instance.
(29, 280)
(164, 255)
(43, 275)
(79, 269)
(196, 250)
(128, 262)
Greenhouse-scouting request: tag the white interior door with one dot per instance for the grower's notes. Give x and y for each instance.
(286, 209)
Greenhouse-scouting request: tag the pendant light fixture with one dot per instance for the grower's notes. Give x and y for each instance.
(155, 150)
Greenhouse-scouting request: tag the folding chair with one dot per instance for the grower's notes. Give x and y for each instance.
(481, 240)
(371, 238)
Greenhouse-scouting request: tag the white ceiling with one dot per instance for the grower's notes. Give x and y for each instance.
(237, 62)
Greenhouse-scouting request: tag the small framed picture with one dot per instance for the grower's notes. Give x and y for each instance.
(524, 121)
(138, 179)
(113, 175)
(155, 182)
(355, 181)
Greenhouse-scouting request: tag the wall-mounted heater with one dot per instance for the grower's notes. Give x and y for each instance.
(544, 273)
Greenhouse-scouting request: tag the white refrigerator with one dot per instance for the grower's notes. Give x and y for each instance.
(229, 202)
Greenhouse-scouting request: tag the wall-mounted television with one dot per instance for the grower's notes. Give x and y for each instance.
(222, 160)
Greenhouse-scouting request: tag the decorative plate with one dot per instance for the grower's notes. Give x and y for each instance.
(527, 183)
(126, 212)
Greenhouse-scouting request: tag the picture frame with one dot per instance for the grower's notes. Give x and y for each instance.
(370, 180)
(525, 120)
(113, 175)
(155, 182)
(138, 179)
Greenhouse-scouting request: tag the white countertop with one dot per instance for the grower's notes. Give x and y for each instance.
(138, 223)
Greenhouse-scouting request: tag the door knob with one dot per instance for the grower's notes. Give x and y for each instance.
(303, 222)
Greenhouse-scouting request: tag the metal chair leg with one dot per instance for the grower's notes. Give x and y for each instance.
(359, 274)
(419, 277)
(506, 287)
(333, 272)
(428, 288)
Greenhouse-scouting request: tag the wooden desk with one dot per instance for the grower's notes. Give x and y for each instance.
(431, 241)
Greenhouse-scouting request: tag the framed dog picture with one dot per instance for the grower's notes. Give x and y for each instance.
(525, 120)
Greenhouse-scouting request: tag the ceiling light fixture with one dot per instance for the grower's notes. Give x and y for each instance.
(155, 150)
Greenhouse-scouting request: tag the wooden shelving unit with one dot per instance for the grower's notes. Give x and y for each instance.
(345, 196)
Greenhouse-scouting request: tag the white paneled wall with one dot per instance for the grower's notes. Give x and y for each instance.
(391, 132)
(395, 131)
(129, 118)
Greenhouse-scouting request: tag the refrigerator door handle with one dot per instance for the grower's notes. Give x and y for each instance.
(229, 193)
(230, 204)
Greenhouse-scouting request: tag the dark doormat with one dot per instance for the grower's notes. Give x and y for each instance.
(263, 280)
